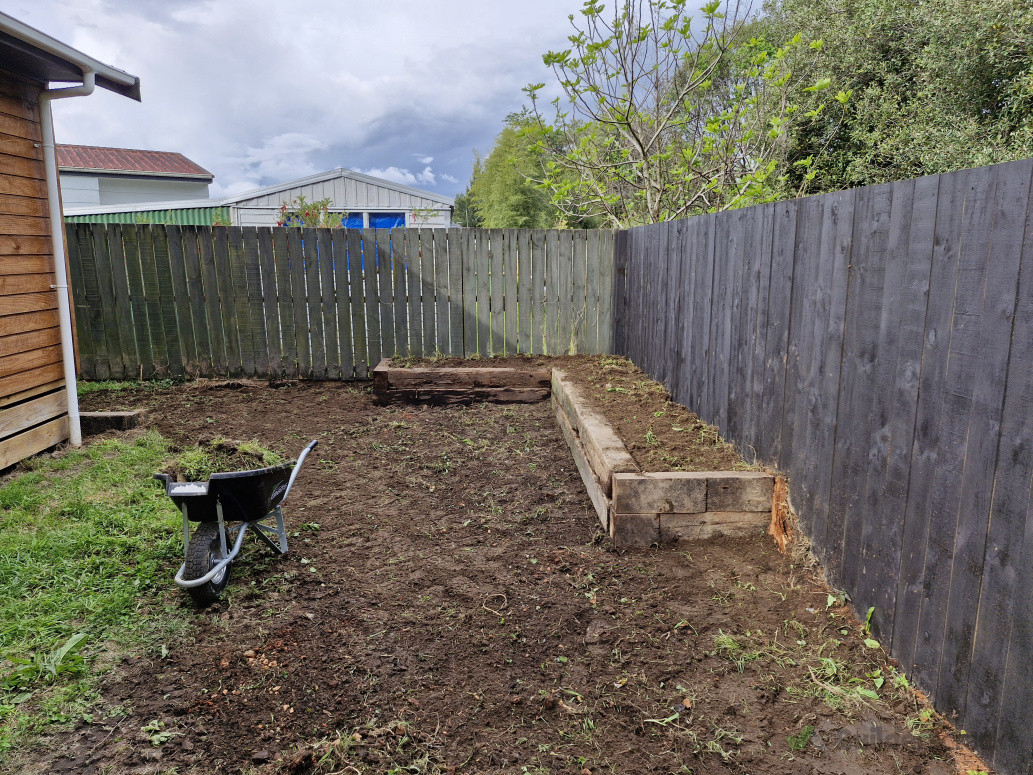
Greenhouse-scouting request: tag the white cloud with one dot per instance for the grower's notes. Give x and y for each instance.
(282, 157)
(404, 176)
(257, 94)
(394, 174)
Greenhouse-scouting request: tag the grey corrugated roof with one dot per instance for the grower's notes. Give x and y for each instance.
(339, 172)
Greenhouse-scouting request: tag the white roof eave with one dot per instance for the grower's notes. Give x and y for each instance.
(47, 49)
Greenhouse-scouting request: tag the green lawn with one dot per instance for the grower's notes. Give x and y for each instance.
(86, 543)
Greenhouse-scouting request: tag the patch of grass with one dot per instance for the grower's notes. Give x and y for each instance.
(799, 741)
(86, 544)
(116, 386)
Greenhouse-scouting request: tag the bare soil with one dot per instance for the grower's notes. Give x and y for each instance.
(448, 605)
(660, 434)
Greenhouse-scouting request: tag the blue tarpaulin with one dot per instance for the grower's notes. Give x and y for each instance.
(386, 220)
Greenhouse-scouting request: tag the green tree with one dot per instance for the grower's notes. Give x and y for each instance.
(503, 185)
(465, 211)
(299, 212)
(936, 86)
(662, 117)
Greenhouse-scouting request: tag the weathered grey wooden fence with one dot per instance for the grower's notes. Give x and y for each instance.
(877, 345)
(189, 301)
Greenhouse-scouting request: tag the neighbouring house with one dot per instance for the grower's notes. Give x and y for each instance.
(92, 175)
(38, 405)
(362, 200)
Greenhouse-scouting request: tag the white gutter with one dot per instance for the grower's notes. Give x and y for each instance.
(57, 235)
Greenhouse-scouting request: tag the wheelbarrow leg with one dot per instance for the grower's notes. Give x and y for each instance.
(264, 531)
(186, 530)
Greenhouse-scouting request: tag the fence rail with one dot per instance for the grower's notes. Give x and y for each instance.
(197, 301)
(877, 345)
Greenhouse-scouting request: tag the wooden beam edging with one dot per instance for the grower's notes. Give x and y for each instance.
(644, 508)
(459, 384)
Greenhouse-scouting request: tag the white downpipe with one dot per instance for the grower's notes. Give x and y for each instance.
(57, 235)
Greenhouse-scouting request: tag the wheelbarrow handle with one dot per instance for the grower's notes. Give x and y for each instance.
(297, 468)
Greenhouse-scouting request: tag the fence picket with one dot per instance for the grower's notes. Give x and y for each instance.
(385, 283)
(497, 325)
(416, 290)
(357, 287)
(455, 344)
(255, 302)
(202, 360)
(299, 305)
(509, 294)
(141, 323)
(328, 304)
(288, 365)
(469, 292)
(272, 350)
(210, 244)
(342, 297)
(523, 294)
(374, 332)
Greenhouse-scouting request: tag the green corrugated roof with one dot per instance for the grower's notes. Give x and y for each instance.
(191, 216)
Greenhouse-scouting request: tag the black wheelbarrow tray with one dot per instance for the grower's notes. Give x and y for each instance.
(225, 507)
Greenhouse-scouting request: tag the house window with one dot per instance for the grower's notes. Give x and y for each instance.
(352, 221)
(386, 220)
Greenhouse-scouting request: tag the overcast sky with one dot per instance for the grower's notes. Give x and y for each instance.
(263, 91)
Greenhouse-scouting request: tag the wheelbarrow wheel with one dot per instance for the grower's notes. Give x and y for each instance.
(203, 553)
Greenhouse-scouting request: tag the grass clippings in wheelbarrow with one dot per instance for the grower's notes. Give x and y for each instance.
(218, 455)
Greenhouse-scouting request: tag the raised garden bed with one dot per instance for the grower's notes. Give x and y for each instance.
(641, 508)
(655, 472)
(441, 383)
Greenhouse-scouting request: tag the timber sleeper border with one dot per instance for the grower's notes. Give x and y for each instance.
(458, 384)
(644, 508)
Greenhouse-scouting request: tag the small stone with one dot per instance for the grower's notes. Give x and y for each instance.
(250, 654)
(261, 756)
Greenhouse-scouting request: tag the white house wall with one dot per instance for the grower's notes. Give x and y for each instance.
(77, 190)
(115, 191)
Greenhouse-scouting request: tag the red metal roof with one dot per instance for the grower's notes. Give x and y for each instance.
(89, 157)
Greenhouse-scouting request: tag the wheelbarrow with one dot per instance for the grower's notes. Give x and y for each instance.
(224, 508)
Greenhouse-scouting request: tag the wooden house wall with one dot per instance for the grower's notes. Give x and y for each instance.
(33, 412)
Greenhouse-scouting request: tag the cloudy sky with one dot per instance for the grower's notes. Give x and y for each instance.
(262, 91)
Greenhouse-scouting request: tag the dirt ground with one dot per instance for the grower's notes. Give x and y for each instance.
(660, 434)
(450, 605)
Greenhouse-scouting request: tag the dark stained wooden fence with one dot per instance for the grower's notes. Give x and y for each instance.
(877, 346)
(195, 301)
